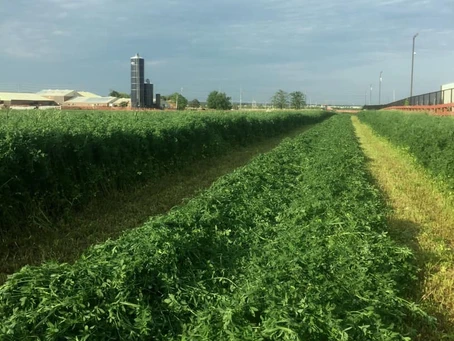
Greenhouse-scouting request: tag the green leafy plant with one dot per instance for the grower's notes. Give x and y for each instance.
(430, 139)
(54, 161)
(292, 246)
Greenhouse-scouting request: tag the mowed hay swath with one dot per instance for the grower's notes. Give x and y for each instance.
(290, 247)
(108, 216)
(55, 161)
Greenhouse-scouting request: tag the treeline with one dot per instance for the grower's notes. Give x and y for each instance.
(216, 100)
(294, 100)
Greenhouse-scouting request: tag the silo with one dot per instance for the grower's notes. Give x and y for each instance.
(137, 82)
(158, 101)
(148, 94)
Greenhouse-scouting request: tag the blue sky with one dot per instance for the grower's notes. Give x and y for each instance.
(332, 50)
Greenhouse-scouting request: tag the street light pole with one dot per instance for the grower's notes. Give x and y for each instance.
(412, 65)
(370, 95)
(181, 93)
(379, 88)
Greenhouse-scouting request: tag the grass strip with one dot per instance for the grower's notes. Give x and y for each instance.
(422, 218)
(429, 139)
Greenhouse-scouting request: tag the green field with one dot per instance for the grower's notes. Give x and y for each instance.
(430, 139)
(52, 161)
(305, 242)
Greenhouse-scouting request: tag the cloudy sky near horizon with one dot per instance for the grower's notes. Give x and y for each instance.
(331, 50)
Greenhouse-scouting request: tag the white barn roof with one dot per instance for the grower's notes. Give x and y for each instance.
(21, 96)
(56, 92)
(91, 100)
(87, 94)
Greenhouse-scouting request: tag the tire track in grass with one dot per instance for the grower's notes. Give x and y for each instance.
(422, 217)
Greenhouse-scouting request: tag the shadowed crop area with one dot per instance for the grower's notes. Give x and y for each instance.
(108, 216)
(292, 246)
(52, 162)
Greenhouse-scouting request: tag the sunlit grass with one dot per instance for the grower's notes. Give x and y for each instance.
(423, 218)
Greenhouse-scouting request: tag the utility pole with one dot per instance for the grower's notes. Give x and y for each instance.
(412, 65)
(181, 92)
(241, 97)
(379, 89)
(370, 95)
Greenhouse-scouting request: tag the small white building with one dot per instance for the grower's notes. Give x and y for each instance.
(87, 94)
(447, 93)
(59, 96)
(89, 102)
(19, 99)
(122, 102)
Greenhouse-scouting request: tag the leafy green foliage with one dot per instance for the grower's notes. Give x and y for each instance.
(218, 101)
(180, 101)
(430, 139)
(290, 247)
(280, 99)
(194, 103)
(114, 93)
(297, 100)
(53, 161)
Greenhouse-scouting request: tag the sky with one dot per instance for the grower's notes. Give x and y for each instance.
(331, 50)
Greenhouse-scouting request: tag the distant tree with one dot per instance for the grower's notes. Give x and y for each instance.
(124, 104)
(219, 101)
(194, 103)
(114, 93)
(297, 100)
(280, 99)
(180, 101)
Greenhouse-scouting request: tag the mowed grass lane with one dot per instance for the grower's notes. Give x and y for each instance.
(422, 217)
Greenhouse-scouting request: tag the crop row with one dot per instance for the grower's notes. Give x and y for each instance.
(290, 247)
(52, 161)
(430, 139)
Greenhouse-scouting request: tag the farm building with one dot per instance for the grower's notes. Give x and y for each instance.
(24, 99)
(88, 102)
(87, 94)
(447, 92)
(59, 96)
(160, 103)
(122, 102)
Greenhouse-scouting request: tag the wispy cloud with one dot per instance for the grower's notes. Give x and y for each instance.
(24, 41)
(318, 46)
